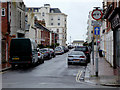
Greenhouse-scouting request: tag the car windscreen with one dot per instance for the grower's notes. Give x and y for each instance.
(81, 49)
(43, 50)
(76, 53)
(20, 47)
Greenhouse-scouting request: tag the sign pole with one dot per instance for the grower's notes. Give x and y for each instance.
(96, 56)
(97, 15)
(93, 49)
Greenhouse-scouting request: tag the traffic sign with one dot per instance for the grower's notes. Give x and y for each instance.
(96, 23)
(97, 14)
(96, 30)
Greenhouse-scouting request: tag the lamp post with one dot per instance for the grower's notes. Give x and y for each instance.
(54, 41)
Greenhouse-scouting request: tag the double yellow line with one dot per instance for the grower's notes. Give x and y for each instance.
(78, 76)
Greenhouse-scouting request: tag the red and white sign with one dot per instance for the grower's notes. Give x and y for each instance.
(97, 14)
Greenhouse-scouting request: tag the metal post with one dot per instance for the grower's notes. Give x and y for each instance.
(0, 49)
(93, 50)
(0, 35)
(70, 40)
(54, 41)
(96, 56)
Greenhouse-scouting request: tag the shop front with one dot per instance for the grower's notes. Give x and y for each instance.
(115, 25)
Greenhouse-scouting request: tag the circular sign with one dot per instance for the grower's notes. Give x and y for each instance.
(97, 14)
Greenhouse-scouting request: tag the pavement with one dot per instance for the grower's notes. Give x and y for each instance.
(107, 76)
(4, 67)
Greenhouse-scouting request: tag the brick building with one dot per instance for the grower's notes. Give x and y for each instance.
(5, 26)
(11, 26)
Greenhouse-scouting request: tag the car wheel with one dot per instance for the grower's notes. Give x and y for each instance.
(43, 61)
(50, 56)
(12, 66)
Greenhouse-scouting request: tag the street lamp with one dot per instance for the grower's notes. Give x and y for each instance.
(54, 41)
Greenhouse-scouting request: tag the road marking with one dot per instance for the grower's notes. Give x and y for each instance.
(78, 76)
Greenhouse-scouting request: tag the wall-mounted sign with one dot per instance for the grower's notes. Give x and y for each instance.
(97, 14)
(115, 23)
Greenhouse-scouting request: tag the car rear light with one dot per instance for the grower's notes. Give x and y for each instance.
(47, 52)
(82, 56)
(38, 54)
(87, 52)
(28, 61)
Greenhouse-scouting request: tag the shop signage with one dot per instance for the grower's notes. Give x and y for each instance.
(115, 22)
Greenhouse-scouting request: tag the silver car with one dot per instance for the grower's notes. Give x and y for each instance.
(76, 57)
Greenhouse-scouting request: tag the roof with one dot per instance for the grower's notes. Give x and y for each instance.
(52, 10)
(41, 26)
(55, 10)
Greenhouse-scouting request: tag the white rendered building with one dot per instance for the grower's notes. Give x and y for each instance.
(89, 28)
(55, 20)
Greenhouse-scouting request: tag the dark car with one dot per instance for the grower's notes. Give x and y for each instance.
(52, 52)
(23, 51)
(65, 49)
(85, 49)
(46, 52)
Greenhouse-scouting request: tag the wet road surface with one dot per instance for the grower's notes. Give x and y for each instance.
(54, 73)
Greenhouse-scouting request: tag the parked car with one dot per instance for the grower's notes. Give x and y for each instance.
(46, 53)
(77, 57)
(70, 47)
(65, 49)
(40, 56)
(85, 49)
(23, 51)
(52, 52)
(59, 50)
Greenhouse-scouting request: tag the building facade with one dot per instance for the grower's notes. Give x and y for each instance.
(17, 25)
(78, 42)
(55, 21)
(89, 28)
(112, 32)
(36, 30)
(11, 26)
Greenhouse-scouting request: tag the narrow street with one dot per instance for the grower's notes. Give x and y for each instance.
(54, 73)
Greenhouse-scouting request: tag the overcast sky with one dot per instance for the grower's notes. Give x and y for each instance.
(77, 11)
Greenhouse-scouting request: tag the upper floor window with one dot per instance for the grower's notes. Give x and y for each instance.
(58, 18)
(43, 14)
(3, 12)
(57, 30)
(65, 19)
(58, 24)
(51, 18)
(51, 23)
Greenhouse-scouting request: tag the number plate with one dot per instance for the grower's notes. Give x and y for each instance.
(75, 60)
(15, 58)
